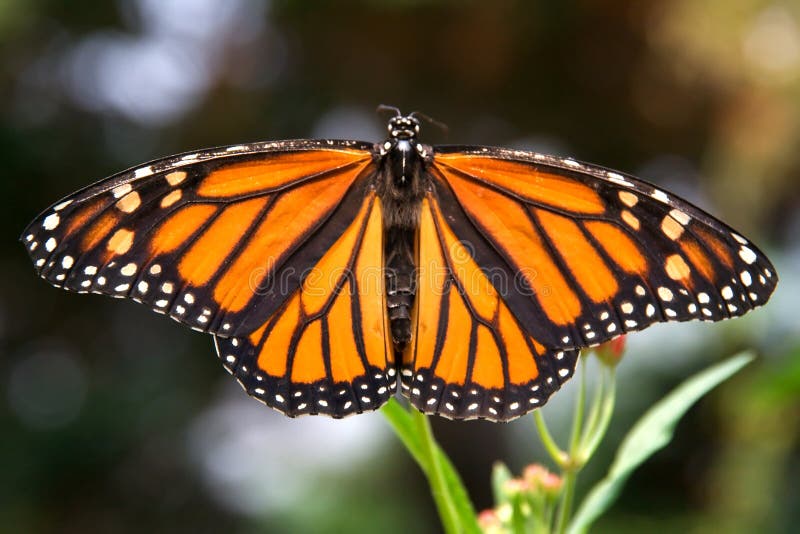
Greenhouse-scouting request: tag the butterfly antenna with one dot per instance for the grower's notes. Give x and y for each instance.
(442, 126)
(383, 107)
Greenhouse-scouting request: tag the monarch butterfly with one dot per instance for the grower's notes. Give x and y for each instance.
(327, 270)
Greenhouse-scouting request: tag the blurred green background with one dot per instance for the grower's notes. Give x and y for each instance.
(114, 419)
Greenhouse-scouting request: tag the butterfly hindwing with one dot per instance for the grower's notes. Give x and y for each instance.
(470, 357)
(327, 349)
(216, 239)
(594, 253)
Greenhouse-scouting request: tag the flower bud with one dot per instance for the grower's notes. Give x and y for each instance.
(610, 353)
(540, 480)
(489, 523)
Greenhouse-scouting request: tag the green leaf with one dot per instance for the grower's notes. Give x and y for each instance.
(458, 494)
(650, 434)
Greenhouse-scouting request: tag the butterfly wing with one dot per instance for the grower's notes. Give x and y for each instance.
(588, 253)
(216, 239)
(470, 357)
(276, 248)
(326, 350)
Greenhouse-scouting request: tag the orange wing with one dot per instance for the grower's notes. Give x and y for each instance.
(326, 350)
(586, 254)
(470, 357)
(216, 239)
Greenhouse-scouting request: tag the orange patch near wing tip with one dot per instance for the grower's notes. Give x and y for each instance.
(275, 171)
(698, 258)
(175, 230)
(619, 246)
(716, 245)
(527, 181)
(99, 229)
(82, 216)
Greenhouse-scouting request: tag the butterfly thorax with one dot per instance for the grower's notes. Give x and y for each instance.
(401, 188)
(401, 179)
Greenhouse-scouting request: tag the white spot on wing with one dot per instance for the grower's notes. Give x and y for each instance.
(665, 294)
(680, 216)
(121, 190)
(51, 222)
(727, 293)
(128, 270)
(747, 255)
(143, 172)
(61, 206)
(659, 195)
(618, 178)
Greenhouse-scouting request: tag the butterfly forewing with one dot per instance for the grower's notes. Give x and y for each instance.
(595, 253)
(210, 238)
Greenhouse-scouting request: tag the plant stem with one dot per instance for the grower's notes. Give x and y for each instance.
(595, 410)
(595, 433)
(565, 506)
(446, 507)
(555, 452)
(573, 465)
(577, 419)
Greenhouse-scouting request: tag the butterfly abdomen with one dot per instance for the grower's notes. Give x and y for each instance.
(400, 276)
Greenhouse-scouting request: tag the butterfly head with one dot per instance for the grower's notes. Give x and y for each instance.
(403, 127)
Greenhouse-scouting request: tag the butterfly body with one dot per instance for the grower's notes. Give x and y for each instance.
(401, 188)
(330, 272)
